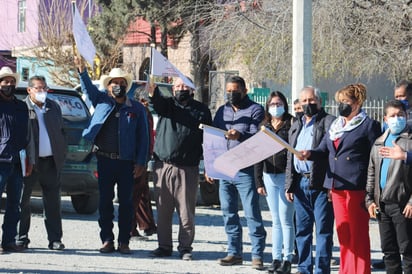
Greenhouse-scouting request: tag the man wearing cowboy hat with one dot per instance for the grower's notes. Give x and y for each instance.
(13, 134)
(119, 130)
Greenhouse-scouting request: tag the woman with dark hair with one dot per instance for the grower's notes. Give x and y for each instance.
(270, 182)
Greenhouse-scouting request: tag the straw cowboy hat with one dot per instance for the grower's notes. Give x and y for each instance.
(116, 73)
(6, 71)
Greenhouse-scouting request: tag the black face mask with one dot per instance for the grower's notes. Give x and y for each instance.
(119, 91)
(234, 98)
(299, 114)
(182, 95)
(8, 91)
(344, 109)
(310, 109)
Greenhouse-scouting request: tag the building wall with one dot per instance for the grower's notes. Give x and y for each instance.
(9, 35)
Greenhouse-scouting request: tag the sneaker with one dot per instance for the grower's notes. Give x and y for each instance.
(230, 260)
(275, 264)
(108, 247)
(124, 249)
(186, 256)
(284, 268)
(23, 242)
(13, 248)
(257, 264)
(161, 252)
(379, 264)
(56, 245)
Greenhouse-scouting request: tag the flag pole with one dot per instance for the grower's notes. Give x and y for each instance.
(73, 42)
(152, 47)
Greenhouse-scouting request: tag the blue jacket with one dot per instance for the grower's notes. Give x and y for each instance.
(133, 130)
(14, 120)
(348, 164)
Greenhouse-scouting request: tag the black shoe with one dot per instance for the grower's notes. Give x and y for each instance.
(108, 247)
(23, 242)
(284, 268)
(161, 252)
(275, 264)
(124, 249)
(378, 265)
(13, 248)
(150, 231)
(56, 245)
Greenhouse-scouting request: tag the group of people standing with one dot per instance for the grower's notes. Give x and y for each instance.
(343, 170)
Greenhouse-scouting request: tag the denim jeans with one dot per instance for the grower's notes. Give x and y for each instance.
(313, 207)
(283, 228)
(11, 178)
(113, 172)
(228, 193)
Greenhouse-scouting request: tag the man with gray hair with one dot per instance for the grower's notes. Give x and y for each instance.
(177, 152)
(304, 185)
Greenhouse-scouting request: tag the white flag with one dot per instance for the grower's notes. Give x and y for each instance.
(81, 36)
(162, 67)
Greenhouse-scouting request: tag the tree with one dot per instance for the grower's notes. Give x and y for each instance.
(347, 40)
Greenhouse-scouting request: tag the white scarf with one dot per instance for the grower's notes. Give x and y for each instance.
(338, 127)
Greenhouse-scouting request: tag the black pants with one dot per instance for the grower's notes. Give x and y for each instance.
(396, 239)
(45, 172)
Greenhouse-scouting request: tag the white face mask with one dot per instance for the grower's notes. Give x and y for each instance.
(40, 96)
(276, 111)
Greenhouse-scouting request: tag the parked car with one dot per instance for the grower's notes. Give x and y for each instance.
(79, 173)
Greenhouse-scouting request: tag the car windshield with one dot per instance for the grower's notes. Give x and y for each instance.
(71, 106)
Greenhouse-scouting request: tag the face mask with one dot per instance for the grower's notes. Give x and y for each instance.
(234, 98)
(299, 114)
(344, 109)
(182, 95)
(40, 96)
(119, 91)
(276, 111)
(405, 103)
(396, 124)
(8, 91)
(310, 109)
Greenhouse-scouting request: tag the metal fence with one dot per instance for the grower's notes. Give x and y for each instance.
(373, 107)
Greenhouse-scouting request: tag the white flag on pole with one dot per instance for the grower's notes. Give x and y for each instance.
(162, 67)
(81, 36)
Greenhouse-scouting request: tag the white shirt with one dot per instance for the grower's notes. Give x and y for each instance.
(44, 140)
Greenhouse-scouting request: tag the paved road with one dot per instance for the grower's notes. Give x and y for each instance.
(82, 244)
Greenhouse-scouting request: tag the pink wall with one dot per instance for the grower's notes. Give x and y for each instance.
(9, 36)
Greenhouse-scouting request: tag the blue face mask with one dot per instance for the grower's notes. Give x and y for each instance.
(276, 111)
(396, 124)
(405, 103)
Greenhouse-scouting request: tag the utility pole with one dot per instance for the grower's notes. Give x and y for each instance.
(302, 46)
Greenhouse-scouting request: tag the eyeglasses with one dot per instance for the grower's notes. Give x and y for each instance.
(46, 89)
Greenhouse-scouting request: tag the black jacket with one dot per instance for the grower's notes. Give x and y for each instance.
(317, 176)
(178, 137)
(398, 188)
(276, 163)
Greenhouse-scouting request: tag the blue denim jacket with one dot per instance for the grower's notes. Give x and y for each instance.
(133, 130)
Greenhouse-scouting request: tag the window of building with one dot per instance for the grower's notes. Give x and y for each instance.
(25, 74)
(22, 16)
